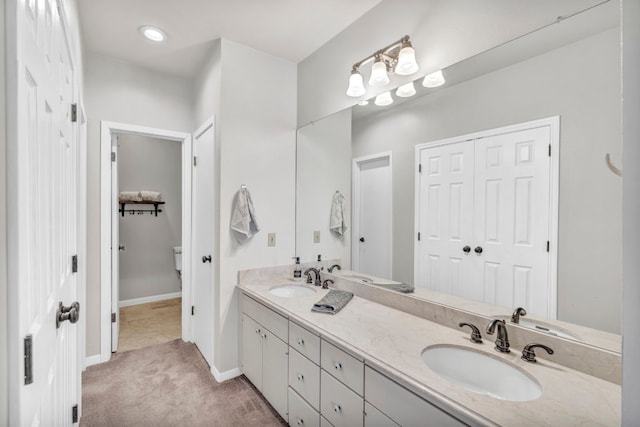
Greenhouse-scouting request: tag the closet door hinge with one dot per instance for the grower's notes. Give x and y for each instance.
(418, 236)
(195, 161)
(28, 359)
(193, 310)
(547, 246)
(549, 150)
(113, 156)
(113, 318)
(74, 264)
(420, 168)
(74, 113)
(74, 414)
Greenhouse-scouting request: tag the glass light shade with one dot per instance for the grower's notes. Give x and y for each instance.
(356, 85)
(434, 79)
(406, 61)
(379, 75)
(406, 90)
(384, 99)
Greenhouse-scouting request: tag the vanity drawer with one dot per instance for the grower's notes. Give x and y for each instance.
(307, 343)
(343, 366)
(375, 418)
(341, 406)
(324, 422)
(401, 405)
(300, 413)
(304, 377)
(274, 322)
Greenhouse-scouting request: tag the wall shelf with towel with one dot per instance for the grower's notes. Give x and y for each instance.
(155, 210)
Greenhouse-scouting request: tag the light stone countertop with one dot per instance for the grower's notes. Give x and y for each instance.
(391, 342)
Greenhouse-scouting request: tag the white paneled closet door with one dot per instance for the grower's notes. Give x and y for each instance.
(43, 190)
(484, 217)
(512, 218)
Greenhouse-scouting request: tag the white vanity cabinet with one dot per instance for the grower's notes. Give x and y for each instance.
(395, 404)
(265, 352)
(304, 376)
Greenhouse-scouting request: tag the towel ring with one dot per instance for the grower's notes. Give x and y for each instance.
(611, 166)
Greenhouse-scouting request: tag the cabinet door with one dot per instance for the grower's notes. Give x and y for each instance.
(374, 418)
(274, 372)
(252, 351)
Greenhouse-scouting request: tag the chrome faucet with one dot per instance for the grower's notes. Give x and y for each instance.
(502, 340)
(529, 355)
(515, 317)
(334, 266)
(308, 272)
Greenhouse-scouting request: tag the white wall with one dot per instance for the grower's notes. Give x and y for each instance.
(323, 167)
(560, 82)
(631, 129)
(443, 33)
(119, 91)
(4, 397)
(147, 263)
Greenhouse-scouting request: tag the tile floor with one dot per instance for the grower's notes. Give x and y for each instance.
(149, 324)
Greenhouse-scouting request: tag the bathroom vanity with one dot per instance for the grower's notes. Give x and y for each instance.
(364, 366)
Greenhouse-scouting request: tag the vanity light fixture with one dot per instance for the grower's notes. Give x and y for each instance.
(399, 57)
(434, 79)
(154, 34)
(406, 90)
(384, 99)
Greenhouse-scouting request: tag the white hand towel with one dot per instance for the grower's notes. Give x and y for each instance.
(338, 222)
(150, 196)
(129, 196)
(243, 215)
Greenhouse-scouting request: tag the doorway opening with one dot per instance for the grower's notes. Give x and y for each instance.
(154, 226)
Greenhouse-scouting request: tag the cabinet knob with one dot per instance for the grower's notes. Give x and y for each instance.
(300, 422)
(338, 366)
(300, 341)
(337, 408)
(300, 377)
(264, 336)
(257, 330)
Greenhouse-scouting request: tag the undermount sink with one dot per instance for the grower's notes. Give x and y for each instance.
(481, 373)
(292, 291)
(543, 327)
(357, 277)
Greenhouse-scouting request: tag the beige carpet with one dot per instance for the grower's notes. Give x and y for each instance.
(169, 385)
(148, 324)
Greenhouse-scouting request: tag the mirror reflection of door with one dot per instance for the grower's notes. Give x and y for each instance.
(372, 215)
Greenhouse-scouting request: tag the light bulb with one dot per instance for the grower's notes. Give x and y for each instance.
(153, 33)
(434, 79)
(406, 61)
(379, 75)
(406, 90)
(356, 85)
(383, 99)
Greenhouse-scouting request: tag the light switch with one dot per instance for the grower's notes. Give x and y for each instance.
(316, 236)
(271, 239)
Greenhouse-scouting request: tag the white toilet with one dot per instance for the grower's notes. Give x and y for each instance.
(177, 258)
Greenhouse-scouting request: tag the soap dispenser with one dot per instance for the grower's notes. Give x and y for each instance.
(297, 271)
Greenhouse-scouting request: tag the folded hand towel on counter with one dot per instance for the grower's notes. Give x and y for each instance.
(332, 302)
(129, 196)
(150, 196)
(405, 288)
(243, 215)
(337, 222)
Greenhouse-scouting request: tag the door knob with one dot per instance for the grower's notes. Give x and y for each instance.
(362, 239)
(71, 313)
(206, 258)
(466, 249)
(478, 249)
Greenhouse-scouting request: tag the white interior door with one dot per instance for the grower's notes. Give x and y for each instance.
(512, 219)
(204, 219)
(371, 238)
(43, 194)
(115, 246)
(445, 218)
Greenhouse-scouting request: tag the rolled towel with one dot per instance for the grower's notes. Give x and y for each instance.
(150, 196)
(129, 196)
(332, 302)
(405, 288)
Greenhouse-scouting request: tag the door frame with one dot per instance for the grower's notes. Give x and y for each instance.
(554, 191)
(355, 192)
(107, 129)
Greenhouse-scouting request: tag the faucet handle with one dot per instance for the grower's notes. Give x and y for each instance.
(515, 317)
(325, 284)
(475, 332)
(529, 355)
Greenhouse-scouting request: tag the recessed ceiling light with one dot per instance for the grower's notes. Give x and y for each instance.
(153, 33)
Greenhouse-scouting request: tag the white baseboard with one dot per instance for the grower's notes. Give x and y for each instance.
(145, 300)
(226, 375)
(92, 360)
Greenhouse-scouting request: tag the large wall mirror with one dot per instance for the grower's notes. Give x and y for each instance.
(569, 71)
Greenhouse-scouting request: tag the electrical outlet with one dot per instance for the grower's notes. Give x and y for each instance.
(271, 239)
(316, 236)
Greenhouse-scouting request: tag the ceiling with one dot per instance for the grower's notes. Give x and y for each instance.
(289, 29)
